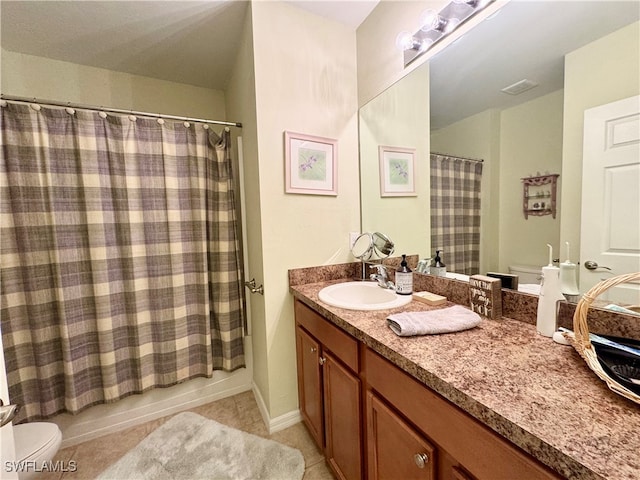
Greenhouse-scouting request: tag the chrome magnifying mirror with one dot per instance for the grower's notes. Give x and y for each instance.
(382, 245)
(362, 248)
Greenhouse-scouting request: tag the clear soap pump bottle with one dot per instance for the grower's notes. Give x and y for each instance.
(404, 278)
(438, 267)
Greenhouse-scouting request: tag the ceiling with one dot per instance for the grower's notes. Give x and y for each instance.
(524, 40)
(192, 42)
(195, 42)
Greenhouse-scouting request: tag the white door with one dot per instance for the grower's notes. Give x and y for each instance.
(610, 231)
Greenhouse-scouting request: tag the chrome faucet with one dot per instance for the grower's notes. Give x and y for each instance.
(381, 277)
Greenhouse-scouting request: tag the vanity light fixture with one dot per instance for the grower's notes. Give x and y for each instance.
(435, 25)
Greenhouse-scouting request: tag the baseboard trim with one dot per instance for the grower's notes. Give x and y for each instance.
(278, 423)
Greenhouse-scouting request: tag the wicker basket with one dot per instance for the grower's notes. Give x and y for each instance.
(581, 342)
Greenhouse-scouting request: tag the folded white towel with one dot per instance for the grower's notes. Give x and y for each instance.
(444, 320)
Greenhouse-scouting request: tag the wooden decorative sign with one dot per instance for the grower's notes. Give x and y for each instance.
(485, 295)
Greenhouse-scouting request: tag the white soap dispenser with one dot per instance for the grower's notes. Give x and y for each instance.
(549, 297)
(568, 283)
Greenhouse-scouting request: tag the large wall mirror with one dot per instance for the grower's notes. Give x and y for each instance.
(579, 55)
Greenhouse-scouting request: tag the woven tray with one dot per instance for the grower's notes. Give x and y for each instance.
(580, 339)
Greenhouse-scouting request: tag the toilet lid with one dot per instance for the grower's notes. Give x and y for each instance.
(31, 438)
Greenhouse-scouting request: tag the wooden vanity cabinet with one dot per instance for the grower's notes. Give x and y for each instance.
(410, 431)
(329, 391)
(464, 448)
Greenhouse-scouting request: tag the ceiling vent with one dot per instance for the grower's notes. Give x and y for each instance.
(519, 87)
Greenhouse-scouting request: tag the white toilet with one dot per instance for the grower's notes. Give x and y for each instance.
(529, 277)
(36, 442)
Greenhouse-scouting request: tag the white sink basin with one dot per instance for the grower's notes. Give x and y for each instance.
(362, 296)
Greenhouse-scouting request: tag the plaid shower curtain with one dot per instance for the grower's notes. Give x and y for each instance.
(455, 212)
(119, 256)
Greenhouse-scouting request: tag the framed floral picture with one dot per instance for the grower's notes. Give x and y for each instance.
(310, 164)
(397, 171)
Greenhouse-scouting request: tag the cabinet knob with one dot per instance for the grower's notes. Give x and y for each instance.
(321, 360)
(314, 349)
(421, 459)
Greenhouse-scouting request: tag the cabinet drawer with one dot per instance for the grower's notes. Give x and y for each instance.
(343, 346)
(481, 451)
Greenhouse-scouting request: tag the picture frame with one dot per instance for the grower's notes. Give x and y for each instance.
(397, 171)
(310, 164)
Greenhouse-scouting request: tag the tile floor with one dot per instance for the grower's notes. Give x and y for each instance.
(240, 411)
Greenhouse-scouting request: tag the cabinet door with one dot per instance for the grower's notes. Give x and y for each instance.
(394, 449)
(458, 473)
(309, 384)
(342, 419)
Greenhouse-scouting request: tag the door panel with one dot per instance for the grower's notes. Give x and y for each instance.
(309, 384)
(610, 224)
(342, 419)
(395, 450)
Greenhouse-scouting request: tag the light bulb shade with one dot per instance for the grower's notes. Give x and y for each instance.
(429, 20)
(404, 41)
(470, 3)
(425, 44)
(451, 25)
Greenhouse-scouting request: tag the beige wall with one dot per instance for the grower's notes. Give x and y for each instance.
(514, 143)
(241, 105)
(478, 137)
(380, 63)
(305, 75)
(398, 118)
(598, 73)
(30, 76)
(531, 142)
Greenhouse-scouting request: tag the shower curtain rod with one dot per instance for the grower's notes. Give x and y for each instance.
(115, 110)
(478, 160)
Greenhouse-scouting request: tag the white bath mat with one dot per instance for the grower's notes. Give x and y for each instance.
(189, 446)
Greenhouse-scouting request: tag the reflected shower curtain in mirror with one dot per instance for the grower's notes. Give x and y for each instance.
(455, 212)
(120, 263)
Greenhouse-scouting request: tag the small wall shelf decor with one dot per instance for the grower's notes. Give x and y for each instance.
(539, 196)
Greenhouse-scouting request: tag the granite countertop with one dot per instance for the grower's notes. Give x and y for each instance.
(538, 394)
